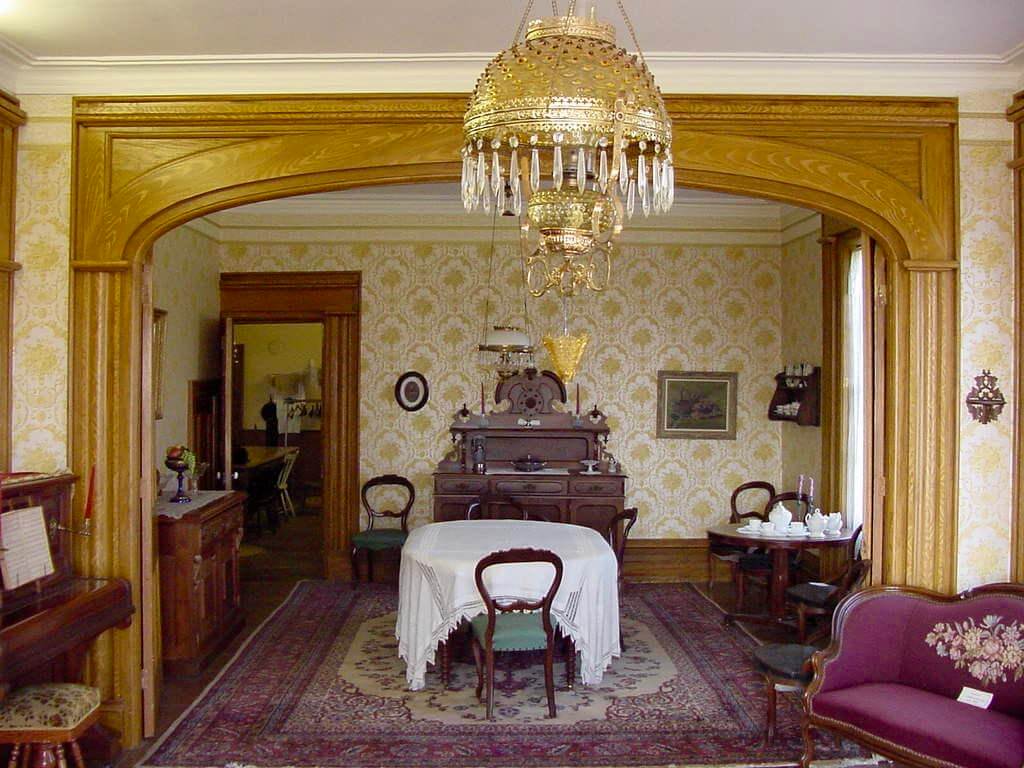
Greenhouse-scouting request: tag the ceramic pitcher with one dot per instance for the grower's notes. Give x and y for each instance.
(780, 517)
(815, 521)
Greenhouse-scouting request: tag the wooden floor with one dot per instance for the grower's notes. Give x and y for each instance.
(271, 565)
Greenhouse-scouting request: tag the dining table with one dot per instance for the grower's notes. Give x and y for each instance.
(437, 587)
(778, 546)
(258, 476)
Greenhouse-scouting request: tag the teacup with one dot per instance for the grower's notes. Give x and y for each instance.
(766, 526)
(797, 527)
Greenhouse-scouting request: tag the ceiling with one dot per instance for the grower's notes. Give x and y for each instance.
(962, 29)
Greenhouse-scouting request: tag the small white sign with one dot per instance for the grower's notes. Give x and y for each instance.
(975, 698)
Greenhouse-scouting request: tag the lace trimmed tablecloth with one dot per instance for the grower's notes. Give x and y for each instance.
(437, 589)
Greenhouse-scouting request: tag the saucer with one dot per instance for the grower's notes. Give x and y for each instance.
(816, 535)
(833, 533)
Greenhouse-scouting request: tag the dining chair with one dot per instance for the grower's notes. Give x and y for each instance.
(784, 667)
(758, 565)
(516, 624)
(819, 599)
(617, 535)
(284, 497)
(379, 539)
(487, 505)
(729, 554)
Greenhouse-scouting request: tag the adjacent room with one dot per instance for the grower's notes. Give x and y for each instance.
(412, 394)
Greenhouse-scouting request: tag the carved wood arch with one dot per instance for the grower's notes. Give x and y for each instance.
(142, 166)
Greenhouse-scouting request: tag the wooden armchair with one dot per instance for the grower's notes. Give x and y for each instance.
(731, 555)
(379, 539)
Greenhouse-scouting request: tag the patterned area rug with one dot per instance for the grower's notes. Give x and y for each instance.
(320, 685)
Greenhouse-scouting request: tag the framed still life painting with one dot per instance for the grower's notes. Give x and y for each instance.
(697, 405)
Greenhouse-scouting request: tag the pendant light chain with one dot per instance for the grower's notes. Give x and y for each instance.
(632, 32)
(490, 275)
(522, 22)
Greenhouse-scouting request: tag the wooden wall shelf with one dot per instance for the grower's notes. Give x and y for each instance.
(802, 390)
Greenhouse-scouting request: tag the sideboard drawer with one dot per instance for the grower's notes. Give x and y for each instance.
(460, 485)
(596, 486)
(517, 487)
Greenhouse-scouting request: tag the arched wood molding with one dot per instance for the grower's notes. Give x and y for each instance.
(1015, 114)
(143, 166)
(11, 118)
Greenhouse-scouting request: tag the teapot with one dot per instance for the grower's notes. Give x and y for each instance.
(834, 523)
(780, 517)
(815, 521)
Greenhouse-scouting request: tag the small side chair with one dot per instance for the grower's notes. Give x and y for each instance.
(379, 539)
(617, 534)
(516, 624)
(731, 555)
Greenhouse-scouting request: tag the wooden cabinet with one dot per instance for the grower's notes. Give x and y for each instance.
(200, 600)
(571, 498)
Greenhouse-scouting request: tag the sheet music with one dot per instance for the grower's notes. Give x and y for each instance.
(26, 555)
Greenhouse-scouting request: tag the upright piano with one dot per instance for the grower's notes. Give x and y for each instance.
(46, 626)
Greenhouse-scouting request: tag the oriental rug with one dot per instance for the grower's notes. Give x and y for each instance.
(320, 685)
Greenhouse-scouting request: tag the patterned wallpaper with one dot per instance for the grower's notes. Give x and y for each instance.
(186, 271)
(986, 307)
(801, 343)
(42, 225)
(672, 307)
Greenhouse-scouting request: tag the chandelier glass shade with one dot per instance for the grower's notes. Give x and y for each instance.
(512, 347)
(572, 127)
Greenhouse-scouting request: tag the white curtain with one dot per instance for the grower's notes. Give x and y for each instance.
(854, 391)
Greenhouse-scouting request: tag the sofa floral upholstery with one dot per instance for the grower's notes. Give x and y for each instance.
(50, 706)
(899, 659)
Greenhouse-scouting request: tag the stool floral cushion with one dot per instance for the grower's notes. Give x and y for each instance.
(60, 706)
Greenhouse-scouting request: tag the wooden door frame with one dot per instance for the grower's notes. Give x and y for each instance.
(142, 166)
(333, 299)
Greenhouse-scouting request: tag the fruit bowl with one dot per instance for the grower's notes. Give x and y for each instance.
(528, 463)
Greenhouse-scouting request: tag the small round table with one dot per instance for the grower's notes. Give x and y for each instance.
(779, 548)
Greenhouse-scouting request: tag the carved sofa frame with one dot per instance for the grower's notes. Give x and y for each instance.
(899, 658)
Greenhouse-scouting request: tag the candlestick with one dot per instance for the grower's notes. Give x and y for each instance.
(90, 493)
(577, 398)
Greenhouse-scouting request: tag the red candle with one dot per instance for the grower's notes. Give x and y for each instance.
(89, 492)
(481, 398)
(577, 398)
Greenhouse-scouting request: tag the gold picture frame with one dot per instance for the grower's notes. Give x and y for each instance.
(697, 405)
(159, 332)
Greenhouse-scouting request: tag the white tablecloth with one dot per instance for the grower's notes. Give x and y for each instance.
(437, 589)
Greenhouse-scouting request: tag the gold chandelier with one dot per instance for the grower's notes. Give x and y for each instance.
(575, 125)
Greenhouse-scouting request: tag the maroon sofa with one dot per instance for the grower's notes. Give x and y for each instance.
(899, 658)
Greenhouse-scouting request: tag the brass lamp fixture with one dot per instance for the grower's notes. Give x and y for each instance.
(575, 126)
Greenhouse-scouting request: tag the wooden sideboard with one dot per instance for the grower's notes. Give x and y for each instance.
(531, 420)
(582, 499)
(200, 600)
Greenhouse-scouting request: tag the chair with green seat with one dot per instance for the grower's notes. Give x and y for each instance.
(379, 539)
(516, 624)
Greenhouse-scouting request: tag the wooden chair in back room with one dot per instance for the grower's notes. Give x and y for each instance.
(731, 555)
(375, 539)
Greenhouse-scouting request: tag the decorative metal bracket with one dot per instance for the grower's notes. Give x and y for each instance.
(85, 530)
(985, 401)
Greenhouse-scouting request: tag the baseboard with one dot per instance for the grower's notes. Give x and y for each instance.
(666, 560)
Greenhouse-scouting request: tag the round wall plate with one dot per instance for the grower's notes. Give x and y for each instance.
(411, 391)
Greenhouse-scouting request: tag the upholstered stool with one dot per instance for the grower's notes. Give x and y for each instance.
(785, 668)
(43, 718)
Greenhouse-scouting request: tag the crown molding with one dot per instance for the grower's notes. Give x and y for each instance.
(676, 72)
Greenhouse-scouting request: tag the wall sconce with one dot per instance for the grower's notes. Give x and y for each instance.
(985, 402)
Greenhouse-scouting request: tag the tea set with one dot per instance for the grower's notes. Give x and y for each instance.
(780, 522)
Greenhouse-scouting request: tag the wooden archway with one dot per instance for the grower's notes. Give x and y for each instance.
(144, 166)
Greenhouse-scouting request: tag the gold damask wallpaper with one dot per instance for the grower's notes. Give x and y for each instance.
(801, 343)
(672, 307)
(986, 307)
(186, 272)
(42, 226)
